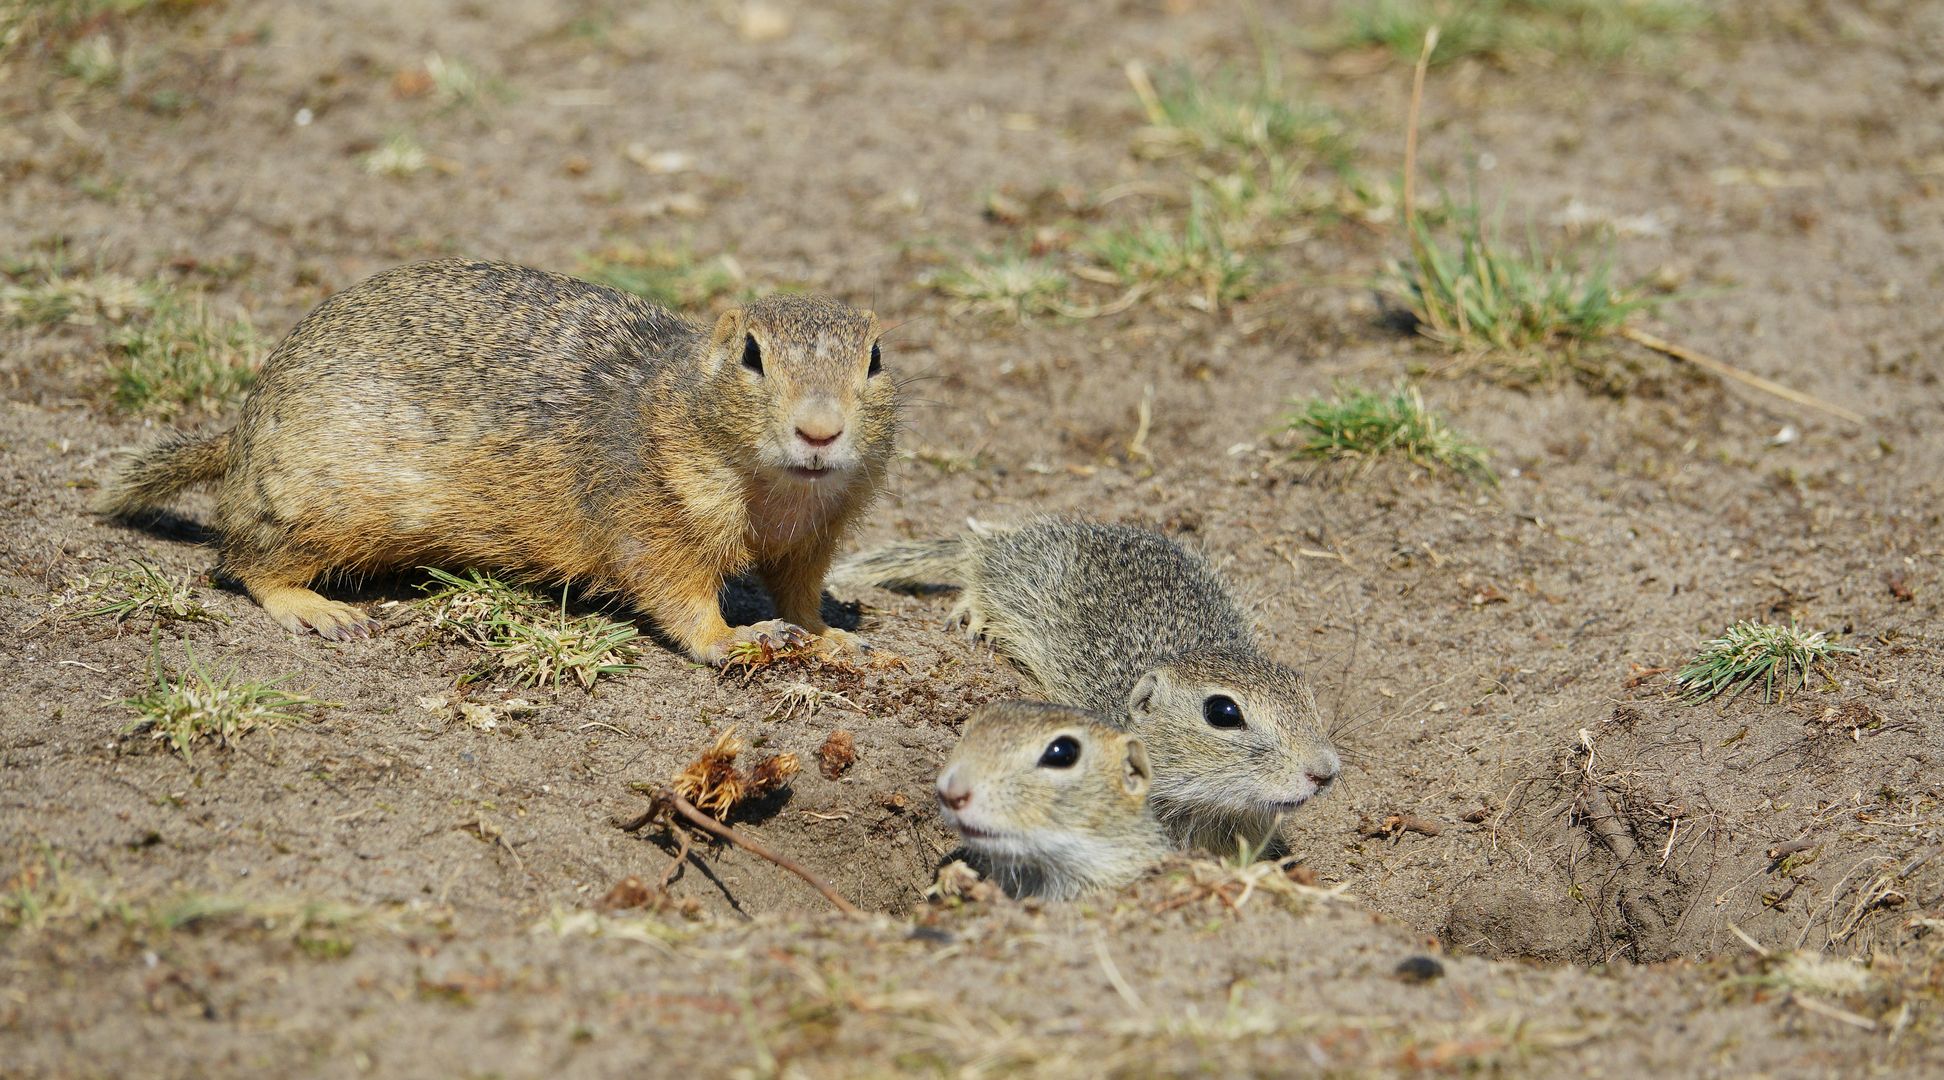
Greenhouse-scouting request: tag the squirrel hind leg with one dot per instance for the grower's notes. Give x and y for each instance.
(281, 587)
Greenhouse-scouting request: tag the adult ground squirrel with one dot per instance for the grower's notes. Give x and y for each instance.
(1051, 801)
(496, 416)
(1126, 622)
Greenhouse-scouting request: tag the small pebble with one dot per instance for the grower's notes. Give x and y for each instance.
(1420, 969)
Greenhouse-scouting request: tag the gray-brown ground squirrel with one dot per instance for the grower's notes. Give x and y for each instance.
(482, 414)
(1051, 801)
(1127, 623)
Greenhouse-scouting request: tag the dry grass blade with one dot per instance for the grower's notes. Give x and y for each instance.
(1729, 371)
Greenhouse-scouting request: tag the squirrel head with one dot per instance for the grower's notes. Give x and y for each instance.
(803, 378)
(1031, 782)
(1239, 736)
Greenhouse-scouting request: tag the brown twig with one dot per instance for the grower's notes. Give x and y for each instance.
(675, 866)
(666, 801)
(1729, 371)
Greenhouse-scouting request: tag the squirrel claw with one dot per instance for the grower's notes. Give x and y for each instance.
(768, 637)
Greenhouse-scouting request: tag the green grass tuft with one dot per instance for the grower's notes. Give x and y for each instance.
(532, 640)
(93, 61)
(24, 23)
(1228, 115)
(42, 292)
(183, 357)
(1194, 257)
(196, 706)
(1006, 282)
(1480, 296)
(1361, 425)
(399, 156)
(1601, 31)
(670, 277)
(135, 591)
(1780, 657)
(457, 84)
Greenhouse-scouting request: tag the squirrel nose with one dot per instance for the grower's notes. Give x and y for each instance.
(954, 793)
(818, 436)
(1324, 773)
(819, 421)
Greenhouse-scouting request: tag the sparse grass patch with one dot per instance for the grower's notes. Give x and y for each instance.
(183, 357)
(400, 156)
(1532, 311)
(1227, 115)
(1193, 257)
(44, 892)
(1256, 206)
(1361, 425)
(1007, 282)
(24, 23)
(668, 276)
(457, 84)
(1603, 31)
(534, 641)
(134, 591)
(197, 706)
(170, 352)
(93, 60)
(39, 892)
(1780, 657)
(42, 290)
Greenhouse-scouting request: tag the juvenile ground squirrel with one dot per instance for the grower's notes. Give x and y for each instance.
(1051, 801)
(1127, 623)
(491, 415)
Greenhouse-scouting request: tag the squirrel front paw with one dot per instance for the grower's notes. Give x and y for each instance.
(840, 642)
(764, 639)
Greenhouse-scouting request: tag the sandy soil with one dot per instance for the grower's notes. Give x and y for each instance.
(381, 889)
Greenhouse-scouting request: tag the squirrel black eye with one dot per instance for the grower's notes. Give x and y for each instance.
(1222, 712)
(752, 354)
(1061, 753)
(877, 360)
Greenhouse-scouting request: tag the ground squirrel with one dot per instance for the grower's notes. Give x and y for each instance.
(497, 416)
(1127, 623)
(1051, 801)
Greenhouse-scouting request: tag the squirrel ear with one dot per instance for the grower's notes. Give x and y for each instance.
(1136, 773)
(1141, 702)
(725, 344)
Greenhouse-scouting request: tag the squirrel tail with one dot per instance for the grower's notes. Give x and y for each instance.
(146, 480)
(908, 565)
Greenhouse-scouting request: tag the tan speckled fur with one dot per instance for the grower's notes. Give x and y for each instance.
(1129, 624)
(1044, 831)
(482, 414)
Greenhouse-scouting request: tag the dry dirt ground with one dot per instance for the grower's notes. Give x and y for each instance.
(378, 888)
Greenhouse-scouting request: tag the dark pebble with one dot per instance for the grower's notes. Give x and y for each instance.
(1420, 969)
